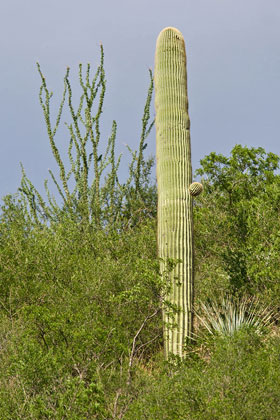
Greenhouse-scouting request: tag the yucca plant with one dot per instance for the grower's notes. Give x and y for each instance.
(226, 316)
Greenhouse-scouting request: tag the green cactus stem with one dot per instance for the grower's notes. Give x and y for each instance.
(174, 179)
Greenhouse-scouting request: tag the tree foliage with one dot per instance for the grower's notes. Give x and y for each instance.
(237, 219)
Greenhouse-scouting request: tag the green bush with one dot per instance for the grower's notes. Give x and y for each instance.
(233, 378)
(236, 223)
(72, 303)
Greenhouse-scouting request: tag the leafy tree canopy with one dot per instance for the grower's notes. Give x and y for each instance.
(241, 175)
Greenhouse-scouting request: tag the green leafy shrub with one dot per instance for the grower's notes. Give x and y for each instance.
(235, 377)
(77, 309)
(236, 225)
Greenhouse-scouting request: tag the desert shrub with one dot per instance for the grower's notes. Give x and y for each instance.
(72, 303)
(234, 377)
(88, 189)
(236, 225)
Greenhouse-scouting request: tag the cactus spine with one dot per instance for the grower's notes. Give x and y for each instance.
(174, 178)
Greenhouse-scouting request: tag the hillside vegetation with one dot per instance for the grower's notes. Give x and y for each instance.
(81, 292)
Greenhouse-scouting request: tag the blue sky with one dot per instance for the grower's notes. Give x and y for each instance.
(233, 54)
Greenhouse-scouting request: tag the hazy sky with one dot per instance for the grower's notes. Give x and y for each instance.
(233, 54)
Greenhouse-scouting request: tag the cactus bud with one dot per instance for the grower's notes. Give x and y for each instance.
(195, 189)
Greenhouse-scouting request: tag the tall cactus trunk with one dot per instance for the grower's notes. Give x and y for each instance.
(174, 177)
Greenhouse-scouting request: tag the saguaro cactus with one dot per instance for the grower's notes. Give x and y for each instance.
(175, 188)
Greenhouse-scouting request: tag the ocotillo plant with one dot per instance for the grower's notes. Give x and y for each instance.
(175, 188)
(88, 184)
